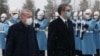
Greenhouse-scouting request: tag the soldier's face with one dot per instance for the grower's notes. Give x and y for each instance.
(3, 18)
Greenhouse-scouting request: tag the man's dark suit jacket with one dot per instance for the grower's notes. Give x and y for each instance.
(60, 38)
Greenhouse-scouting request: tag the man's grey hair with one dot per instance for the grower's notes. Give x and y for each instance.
(24, 10)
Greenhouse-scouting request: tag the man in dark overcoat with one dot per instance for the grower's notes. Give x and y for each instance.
(60, 34)
(21, 37)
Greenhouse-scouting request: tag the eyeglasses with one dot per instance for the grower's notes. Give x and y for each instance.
(87, 13)
(14, 13)
(67, 10)
(2, 17)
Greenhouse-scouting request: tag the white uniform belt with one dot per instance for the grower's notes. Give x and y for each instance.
(2, 31)
(40, 29)
(77, 29)
(89, 31)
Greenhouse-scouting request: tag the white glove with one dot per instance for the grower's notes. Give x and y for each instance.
(83, 22)
(35, 21)
(78, 21)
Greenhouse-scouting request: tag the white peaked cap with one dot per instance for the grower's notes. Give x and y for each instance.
(14, 10)
(75, 14)
(96, 13)
(40, 12)
(88, 11)
(56, 14)
(3, 15)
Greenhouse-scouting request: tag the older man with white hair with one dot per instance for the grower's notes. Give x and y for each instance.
(21, 37)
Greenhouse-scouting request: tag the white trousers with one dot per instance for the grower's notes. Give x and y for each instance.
(0, 52)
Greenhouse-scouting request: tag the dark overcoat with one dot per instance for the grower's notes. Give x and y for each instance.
(21, 41)
(60, 38)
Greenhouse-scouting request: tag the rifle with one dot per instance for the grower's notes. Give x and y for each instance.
(76, 28)
(81, 29)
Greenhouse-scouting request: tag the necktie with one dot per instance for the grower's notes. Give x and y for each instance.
(66, 23)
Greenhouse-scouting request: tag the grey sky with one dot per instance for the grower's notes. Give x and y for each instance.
(41, 3)
(16, 3)
(19, 3)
